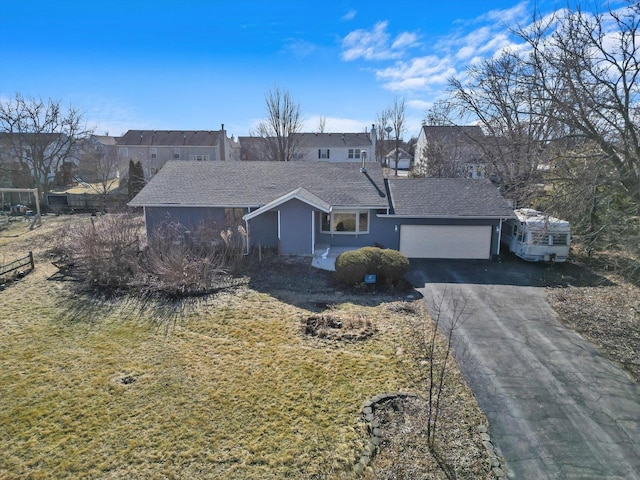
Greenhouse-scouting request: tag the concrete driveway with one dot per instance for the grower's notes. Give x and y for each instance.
(557, 408)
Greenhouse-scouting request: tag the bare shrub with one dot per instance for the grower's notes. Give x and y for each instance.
(104, 253)
(178, 262)
(109, 253)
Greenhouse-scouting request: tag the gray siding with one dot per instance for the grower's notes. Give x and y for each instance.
(263, 230)
(189, 217)
(296, 228)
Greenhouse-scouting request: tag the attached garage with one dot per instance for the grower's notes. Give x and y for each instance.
(446, 241)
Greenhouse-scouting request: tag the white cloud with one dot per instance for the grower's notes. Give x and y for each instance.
(421, 72)
(376, 43)
(350, 15)
(299, 48)
(405, 39)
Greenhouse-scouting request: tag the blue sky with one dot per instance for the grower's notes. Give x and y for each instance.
(196, 64)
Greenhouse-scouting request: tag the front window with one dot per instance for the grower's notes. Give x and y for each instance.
(347, 222)
(354, 153)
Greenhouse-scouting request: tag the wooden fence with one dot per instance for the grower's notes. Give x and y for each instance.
(16, 264)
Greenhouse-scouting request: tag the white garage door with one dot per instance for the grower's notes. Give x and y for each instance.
(446, 241)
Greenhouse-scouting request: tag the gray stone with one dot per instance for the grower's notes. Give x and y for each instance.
(375, 441)
(367, 410)
(483, 428)
(488, 445)
(498, 472)
(485, 437)
(377, 432)
(375, 423)
(494, 461)
(369, 417)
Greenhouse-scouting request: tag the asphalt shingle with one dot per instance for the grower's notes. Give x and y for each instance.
(253, 184)
(447, 197)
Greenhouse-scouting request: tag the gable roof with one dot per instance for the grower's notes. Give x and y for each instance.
(255, 184)
(298, 194)
(447, 134)
(402, 154)
(447, 197)
(170, 138)
(332, 140)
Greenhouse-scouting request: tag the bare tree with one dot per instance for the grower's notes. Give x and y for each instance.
(587, 65)
(564, 110)
(513, 117)
(382, 119)
(396, 114)
(41, 135)
(322, 122)
(99, 165)
(283, 120)
(440, 114)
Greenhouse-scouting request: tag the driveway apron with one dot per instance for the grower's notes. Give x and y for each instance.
(557, 408)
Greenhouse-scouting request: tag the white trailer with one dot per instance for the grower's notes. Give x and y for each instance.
(536, 237)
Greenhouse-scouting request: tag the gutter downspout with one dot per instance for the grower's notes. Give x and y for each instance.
(246, 226)
(499, 238)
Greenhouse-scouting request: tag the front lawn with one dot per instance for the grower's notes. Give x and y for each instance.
(224, 386)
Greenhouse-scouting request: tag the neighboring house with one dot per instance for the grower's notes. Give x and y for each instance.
(252, 149)
(98, 155)
(336, 147)
(153, 148)
(302, 207)
(451, 151)
(45, 155)
(404, 160)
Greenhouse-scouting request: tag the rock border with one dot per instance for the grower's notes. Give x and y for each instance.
(375, 436)
(373, 427)
(497, 467)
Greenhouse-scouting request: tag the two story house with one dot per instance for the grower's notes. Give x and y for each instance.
(336, 147)
(153, 148)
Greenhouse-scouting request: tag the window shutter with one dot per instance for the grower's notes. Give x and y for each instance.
(327, 153)
(319, 153)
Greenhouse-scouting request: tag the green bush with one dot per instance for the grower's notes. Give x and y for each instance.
(393, 266)
(388, 265)
(352, 266)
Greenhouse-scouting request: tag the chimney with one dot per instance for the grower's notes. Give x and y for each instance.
(223, 144)
(374, 140)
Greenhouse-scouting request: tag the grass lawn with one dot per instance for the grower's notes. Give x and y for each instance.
(225, 386)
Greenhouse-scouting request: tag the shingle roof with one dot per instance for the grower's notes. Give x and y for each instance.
(447, 197)
(170, 138)
(254, 184)
(452, 133)
(332, 140)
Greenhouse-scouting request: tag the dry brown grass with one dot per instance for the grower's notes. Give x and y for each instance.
(606, 312)
(222, 386)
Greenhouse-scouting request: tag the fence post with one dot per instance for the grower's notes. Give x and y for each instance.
(31, 260)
